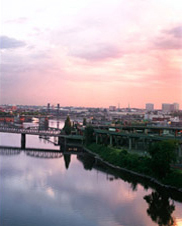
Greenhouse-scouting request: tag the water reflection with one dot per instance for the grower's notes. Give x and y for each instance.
(74, 190)
(67, 160)
(160, 208)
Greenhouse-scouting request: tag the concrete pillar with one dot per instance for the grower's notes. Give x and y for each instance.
(101, 139)
(146, 131)
(110, 140)
(179, 151)
(136, 144)
(97, 138)
(116, 140)
(130, 143)
(23, 140)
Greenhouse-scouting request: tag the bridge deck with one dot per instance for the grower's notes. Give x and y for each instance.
(50, 133)
(138, 135)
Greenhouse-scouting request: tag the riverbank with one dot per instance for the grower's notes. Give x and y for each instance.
(135, 164)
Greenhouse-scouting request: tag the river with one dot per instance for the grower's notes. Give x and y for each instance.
(52, 189)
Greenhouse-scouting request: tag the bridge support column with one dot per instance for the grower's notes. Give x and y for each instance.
(23, 140)
(101, 139)
(130, 143)
(179, 151)
(135, 143)
(97, 138)
(110, 140)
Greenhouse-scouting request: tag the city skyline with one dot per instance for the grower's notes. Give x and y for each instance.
(91, 53)
(148, 106)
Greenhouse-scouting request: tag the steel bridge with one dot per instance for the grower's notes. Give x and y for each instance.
(51, 132)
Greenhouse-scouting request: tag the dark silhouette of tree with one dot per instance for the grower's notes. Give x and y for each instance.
(67, 160)
(160, 208)
(67, 126)
(84, 122)
(87, 160)
(89, 134)
(163, 153)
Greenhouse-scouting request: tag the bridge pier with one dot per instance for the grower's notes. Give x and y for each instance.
(97, 138)
(110, 140)
(23, 141)
(179, 151)
(136, 143)
(130, 143)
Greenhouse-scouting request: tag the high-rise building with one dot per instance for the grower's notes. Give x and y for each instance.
(166, 107)
(175, 107)
(112, 108)
(48, 107)
(170, 107)
(58, 107)
(149, 107)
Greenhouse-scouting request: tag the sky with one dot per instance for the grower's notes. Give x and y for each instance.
(91, 53)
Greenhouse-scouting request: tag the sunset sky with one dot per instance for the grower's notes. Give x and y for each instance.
(92, 53)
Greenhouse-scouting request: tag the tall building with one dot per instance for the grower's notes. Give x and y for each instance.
(112, 108)
(58, 107)
(175, 107)
(166, 107)
(170, 107)
(48, 107)
(149, 107)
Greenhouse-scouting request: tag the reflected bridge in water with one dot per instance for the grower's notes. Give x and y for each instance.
(40, 153)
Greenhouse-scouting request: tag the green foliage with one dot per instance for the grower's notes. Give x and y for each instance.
(122, 158)
(89, 134)
(67, 126)
(134, 162)
(163, 154)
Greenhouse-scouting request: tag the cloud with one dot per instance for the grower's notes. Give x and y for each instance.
(96, 52)
(167, 43)
(10, 43)
(170, 39)
(176, 31)
(19, 20)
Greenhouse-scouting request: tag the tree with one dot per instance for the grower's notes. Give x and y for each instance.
(89, 134)
(84, 122)
(160, 208)
(163, 153)
(67, 126)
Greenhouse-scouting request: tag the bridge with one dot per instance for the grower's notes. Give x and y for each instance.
(40, 153)
(33, 152)
(133, 139)
(128, 135)
(51, 132)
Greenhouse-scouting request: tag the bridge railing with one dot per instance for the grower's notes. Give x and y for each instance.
(28, 131)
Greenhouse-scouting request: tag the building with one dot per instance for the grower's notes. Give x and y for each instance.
(112, 108)
(170, 107)
(58, 108)
(175, 107)
(149, 107)
(48, 107)
(166, 107)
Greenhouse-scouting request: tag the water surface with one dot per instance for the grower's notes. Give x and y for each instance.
(73, 190)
